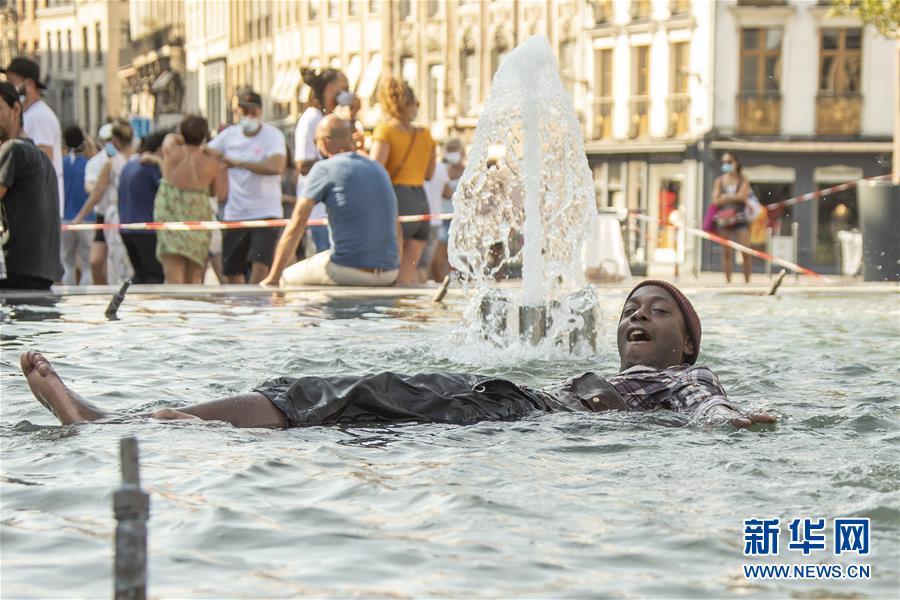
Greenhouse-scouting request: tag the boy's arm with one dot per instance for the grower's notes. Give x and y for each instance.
(704, 398)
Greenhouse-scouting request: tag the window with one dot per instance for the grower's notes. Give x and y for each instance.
(312, 10)
(332, 9)
(86, 100)
(352, 8)
(59, 50)
(640, 92)
(469, 82)
(601, 11)
(374, 7)
(434, 8)
(567, 64)
(839, 104)
(49, 52)
(679, 7)
(679, 100)
(98, 35)
(69, 65)
(603, 90)
(409, 71)
(405, 9)
(85, 51)
(640, 9)
(759, 109)
(435, 92)
(99, 104)
(498, 53)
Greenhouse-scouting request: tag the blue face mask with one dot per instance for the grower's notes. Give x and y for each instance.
(110, 149)
(727, 167)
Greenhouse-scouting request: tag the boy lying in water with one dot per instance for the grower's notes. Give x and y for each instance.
(658, 340)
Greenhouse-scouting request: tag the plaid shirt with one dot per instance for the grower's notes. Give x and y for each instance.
(685, 388)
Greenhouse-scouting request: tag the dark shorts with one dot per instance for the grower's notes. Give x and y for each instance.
(394, 398)
(412, 201)
(98, 234)
(241, 247)
(141, 247)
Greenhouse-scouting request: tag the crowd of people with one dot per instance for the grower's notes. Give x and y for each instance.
(346, 193)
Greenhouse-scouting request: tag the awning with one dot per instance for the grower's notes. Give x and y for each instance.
(277, 91)
(291, 81)
(370, 77)
(162, 81)
(353, 71)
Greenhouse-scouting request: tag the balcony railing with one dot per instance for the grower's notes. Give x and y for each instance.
(759, 113)
(838, 114)
(603, 119)
(679, 106)
(639, 111)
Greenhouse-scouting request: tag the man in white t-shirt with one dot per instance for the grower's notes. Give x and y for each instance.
(255, 153)
(41, 124)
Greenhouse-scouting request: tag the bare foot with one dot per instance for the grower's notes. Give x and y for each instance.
(50, 391)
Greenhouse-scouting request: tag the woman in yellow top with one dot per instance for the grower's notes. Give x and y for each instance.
(407, 153)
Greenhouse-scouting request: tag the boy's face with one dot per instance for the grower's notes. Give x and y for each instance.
(652, 331)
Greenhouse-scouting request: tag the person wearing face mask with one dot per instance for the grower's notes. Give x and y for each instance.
(255, 155)
(731, 194)
(76, 245)
(326, 86)
(109, 257)
(41, 124)
(454, 160)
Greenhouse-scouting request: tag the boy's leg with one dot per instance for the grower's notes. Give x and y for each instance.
(244, 410)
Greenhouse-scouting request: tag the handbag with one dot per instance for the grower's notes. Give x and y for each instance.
(709, 219)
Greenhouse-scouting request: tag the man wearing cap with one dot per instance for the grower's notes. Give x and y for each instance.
(658, 340)
(30, 231)
(255, 154)
(41, 124)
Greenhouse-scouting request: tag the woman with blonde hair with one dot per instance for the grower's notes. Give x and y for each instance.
(407, 153)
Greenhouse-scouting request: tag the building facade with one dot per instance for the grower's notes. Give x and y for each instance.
(803, 97)
(152, 64)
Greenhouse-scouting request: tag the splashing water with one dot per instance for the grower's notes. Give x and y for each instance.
(526, 197)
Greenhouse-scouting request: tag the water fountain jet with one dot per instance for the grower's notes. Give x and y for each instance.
(527, 180)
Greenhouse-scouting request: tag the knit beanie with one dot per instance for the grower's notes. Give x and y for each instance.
(691, 320)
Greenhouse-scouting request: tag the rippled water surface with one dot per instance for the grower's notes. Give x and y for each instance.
(566, 505)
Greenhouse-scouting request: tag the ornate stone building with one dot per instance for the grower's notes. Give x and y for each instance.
(152, 65)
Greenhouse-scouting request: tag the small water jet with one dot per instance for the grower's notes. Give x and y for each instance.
(523, 206)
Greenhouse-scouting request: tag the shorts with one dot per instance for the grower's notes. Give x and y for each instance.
(319, 270)
(412, 201)
(242, 247)
(98, 234)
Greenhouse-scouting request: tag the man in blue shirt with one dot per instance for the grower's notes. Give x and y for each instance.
(362, 212)
(137, 190)
(76, 245)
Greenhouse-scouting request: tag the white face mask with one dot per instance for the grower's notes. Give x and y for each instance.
(454, 158)
(250, 125)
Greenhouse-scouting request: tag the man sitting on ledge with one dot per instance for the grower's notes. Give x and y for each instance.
(658, 339)
(362, 212)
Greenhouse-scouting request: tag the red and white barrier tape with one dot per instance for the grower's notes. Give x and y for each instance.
(731, 244)
(211, 225)
(821, 193)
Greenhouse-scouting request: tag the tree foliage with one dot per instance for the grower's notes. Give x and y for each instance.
(884, 15)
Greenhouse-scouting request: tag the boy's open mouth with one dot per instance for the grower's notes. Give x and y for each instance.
(636, 334)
